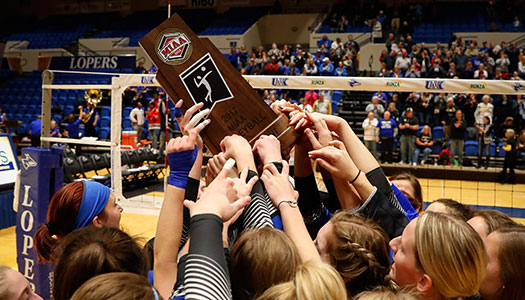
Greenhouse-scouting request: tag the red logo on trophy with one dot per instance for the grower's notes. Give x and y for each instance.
(173, 47)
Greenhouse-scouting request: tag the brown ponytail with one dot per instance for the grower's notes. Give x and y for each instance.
(61, 215)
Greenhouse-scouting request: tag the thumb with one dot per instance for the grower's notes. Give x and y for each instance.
(189, 204)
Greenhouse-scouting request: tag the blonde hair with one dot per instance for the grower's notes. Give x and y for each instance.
(116, 286)
(383, 293)
(261, 258)
(313, 280)
(451, 253)
(359, 252)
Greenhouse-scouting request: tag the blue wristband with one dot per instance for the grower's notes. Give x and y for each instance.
(178, 112)
(180, 166)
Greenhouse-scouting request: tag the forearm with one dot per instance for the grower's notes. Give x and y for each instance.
(346, 193)
(167, 239)
(295, 228)
(302, 165)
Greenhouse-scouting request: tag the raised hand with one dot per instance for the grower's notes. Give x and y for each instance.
(278, 184)
(244, 188)
(268, 148)
(335, 159)
(238, 148)
(220, 198)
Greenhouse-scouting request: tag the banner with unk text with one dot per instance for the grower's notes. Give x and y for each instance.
(388, 84)
(41, 177)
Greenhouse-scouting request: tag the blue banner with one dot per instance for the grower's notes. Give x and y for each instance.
(41, 178)
(92, 62)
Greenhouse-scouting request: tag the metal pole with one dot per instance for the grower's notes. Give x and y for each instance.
(47, 78)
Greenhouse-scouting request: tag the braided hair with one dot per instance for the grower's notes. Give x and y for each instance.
(359, 252)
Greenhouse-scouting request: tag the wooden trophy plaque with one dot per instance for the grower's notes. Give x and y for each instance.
(195, 70)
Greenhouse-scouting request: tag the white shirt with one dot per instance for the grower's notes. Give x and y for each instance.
(370, 127)
(483, 110)
(137, 115)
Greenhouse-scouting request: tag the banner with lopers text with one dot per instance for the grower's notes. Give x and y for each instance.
(436, 85)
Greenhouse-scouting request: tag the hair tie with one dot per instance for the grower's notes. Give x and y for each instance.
(51, 228)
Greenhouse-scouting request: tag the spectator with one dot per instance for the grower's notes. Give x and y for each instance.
(89, 125)
(424, 144)
(153, 117)
(234, 58)
(375, 108)
(311, 96)
(337, 45)
(426, 109)
(394, 112)
(35, 131)
(457, 136)
(390, 60)
(481, 72)
(471, 51)
(413, 72)
(340, 70)
(403, 62)
(521, 67)
(305, 105)
(333, 22)
(485, 138)
(272, 68)
(387, 131)
(53, 130)
(161, 106)
(377, 31)
(451, 73)
(477, 60)
(484, 109)
(139, 69)
(489, 62)
(513, 54)
(325, 41)
(371, 133)
(322, 105)
(436, 71)
(310, 68)
(390, 40)
(327, 69)
(408, 126)
(438, 102)
(503, 62)
(291, 70)
(136, 117)
(299, 59)
(274, 51)
(342, 24)
(252, 68)
(72, 129)
(468, 72)
(353, 45)
(510, 147)
(243, 56)
(446, 115)
(461, 60)
(516, 24)
(396, 73)
(383, 98)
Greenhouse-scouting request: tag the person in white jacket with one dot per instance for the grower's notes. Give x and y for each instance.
(136, 116)
(371, 135)
(484, 109)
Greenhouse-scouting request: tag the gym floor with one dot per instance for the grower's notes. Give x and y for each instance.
(140, 214)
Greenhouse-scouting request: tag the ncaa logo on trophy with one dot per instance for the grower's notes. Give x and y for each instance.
(204, 82)
(173, 46)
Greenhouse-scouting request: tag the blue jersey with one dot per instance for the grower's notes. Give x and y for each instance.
(386, 128)
(72, 129)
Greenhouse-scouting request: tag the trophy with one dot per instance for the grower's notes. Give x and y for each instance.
(195, 70)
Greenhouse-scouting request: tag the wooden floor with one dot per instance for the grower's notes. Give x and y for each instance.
(140, 215)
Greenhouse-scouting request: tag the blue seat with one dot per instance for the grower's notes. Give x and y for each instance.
(437, 132)
(126, 123)
(471, 148)
(105, 122)
(68, 109)
(105, 111)
(337, 96)
(103, 133)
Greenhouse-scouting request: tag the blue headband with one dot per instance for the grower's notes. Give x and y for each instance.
(94, 199)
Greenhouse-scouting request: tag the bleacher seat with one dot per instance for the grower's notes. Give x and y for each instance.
(105, 122)
(471, 148)
(437, 132)
(103, 133)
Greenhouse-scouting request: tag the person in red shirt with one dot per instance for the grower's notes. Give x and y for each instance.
(311, 96)
(153, 117)
(272, 68)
